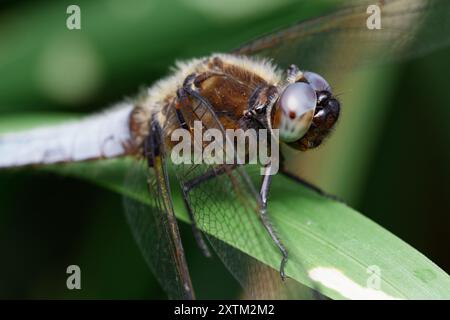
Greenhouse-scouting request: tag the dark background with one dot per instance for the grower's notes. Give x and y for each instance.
(390, 162)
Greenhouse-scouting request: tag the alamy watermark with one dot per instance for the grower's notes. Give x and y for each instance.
(74, 279)
(73, 21)
(236, 146)
(373, 22)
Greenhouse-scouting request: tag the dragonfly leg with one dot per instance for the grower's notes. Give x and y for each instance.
(265, 187)
(261, 98)
(198, 235)
(264, 193)
(259, 103)
(310, 186)
(208, 175)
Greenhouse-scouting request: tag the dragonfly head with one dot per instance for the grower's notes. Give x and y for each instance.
(307, 112)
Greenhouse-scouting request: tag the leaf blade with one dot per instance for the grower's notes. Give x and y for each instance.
(322, 235)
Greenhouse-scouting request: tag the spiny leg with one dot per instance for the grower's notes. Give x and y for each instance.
(208, 175)
(259, 108)
(264, 193)
(198, 235)
(259, 102)
(265, 187)
(310, 186)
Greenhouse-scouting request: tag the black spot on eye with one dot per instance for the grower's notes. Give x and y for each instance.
(292, 114)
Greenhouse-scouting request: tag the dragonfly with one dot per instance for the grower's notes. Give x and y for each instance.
(292, 92)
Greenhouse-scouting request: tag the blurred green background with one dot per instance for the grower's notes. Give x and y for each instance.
(388, 158)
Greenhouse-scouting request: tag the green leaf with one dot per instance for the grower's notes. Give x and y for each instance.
(336, 244)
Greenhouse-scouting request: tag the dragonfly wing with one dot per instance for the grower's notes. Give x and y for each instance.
(151, 216)
(336, 44)
(342, 40)
(225, 205)
(257, 278)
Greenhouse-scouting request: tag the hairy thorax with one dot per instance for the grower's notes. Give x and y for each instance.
(227, 82)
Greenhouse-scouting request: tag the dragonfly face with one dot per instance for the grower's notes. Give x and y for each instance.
(306, 111)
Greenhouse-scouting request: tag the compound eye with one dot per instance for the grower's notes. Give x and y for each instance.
(298, 103)
(316, 81)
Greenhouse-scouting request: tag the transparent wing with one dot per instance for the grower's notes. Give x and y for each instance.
(152, 220)
(259, 280)
(336, 44)
(225, 204)
(342, 41)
